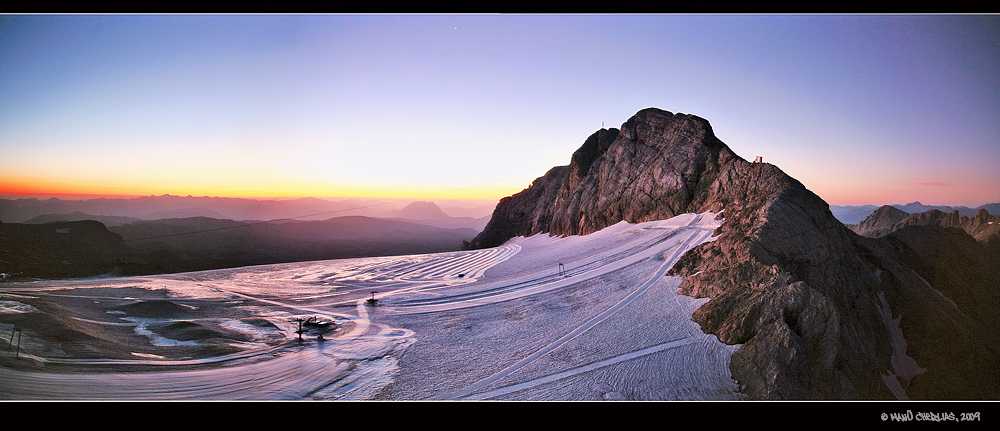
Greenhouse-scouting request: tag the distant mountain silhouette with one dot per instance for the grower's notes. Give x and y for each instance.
(423, 210)
(428, 213)
(184, 213)
(88, 248)
(169, 206)
(849, 214)
(77, 216)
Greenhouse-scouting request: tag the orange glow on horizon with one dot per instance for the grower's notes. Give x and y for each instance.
(85, 191)
(833, 195)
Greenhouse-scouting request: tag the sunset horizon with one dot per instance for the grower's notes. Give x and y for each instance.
(466, 194)
(452, 195)
(862, 109)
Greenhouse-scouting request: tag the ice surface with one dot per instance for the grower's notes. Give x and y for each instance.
(542, 318)
(15, 307)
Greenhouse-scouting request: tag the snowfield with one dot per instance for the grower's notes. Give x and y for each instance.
(539, 318)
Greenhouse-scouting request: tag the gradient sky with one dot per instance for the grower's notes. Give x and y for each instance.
(869, 109)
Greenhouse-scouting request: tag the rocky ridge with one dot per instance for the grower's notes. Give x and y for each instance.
(880, 222)
(983, 226)
(819, 311)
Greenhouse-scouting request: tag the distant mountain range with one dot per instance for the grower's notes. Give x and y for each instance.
(240, 209)
(854, 214)
(53, 246)
(982, 226)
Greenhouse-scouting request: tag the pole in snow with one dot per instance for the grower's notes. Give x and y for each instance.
(17, 353)
(300, 331)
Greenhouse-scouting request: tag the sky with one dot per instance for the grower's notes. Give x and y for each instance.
(862, 109)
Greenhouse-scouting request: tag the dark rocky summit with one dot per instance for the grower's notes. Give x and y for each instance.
(819, 311)
(880, 222)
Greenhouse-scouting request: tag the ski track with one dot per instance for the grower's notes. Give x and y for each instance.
(410, 285)
(678, 251)
(574, 371)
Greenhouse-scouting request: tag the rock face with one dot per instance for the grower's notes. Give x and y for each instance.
(880, 222)
(820, 312)
(967, 272)
(58, 250)
(983, 226)
(654, 168)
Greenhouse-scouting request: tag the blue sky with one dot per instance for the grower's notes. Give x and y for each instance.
(863, 109)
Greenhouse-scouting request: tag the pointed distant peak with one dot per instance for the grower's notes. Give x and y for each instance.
(889, 209)
(422, 210)
(885, 216)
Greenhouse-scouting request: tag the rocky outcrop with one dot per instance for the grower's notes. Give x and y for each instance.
(880, 222)
(522, 214)
(819, 311)
(983, 226)
(58, 250)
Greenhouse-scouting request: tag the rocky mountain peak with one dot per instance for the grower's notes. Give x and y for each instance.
(657, 165)
(816, 308)
(982, 215)
(880, 222)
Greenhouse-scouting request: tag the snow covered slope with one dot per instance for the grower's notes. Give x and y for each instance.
(538, 318)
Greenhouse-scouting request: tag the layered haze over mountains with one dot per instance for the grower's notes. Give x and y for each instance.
(165, 234)
(23, 209)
